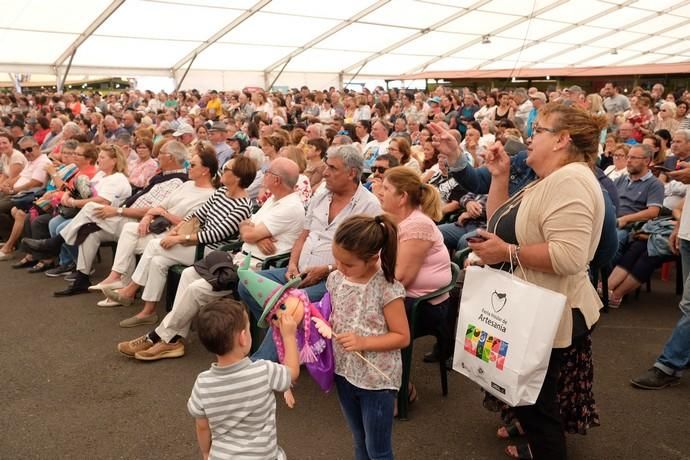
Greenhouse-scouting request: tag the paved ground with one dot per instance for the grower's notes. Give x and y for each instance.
(66, 393)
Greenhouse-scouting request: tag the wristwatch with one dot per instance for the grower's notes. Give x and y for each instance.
(330, 268)
(120, 211)
(188, 237)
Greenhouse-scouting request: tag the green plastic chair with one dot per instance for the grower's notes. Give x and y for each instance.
(403, 395)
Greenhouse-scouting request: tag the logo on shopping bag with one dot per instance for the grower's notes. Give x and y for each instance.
(498, 301)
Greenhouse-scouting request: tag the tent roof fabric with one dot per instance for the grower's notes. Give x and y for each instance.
(402, 39)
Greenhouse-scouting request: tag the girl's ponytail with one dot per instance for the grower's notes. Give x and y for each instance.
(389, 248)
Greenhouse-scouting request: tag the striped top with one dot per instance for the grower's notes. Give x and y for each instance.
(220, 218)
(239, 404)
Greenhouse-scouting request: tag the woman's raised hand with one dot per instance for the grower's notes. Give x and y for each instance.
(497, 160)
(445, 143)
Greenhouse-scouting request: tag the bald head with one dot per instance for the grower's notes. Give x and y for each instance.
(288, 172)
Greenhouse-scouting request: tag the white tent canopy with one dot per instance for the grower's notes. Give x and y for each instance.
(235, 43)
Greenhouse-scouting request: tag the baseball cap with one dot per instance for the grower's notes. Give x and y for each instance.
(434, 100)
(184, 128)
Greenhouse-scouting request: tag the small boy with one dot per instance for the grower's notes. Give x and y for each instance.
(233, 402)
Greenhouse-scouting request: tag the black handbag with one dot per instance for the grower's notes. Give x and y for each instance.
(24, 200)
(218, 270)
(159, 225)
(67, 212)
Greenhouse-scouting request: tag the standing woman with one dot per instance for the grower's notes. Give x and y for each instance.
(552, 227)
(504, 111)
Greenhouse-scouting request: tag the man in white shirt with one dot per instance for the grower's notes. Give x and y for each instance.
(376, 147)
(272, 230)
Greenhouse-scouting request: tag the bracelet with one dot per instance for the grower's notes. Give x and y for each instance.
(515, 255)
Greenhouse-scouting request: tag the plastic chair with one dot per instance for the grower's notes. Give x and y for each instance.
(275, 261)
(444, 353)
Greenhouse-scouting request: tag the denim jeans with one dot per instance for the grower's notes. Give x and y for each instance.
(454, 235)
(68, 253)
(369, 414)
(623, 235)
(267, 349)
(676, 354)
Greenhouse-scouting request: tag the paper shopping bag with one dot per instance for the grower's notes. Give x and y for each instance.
(505, 334)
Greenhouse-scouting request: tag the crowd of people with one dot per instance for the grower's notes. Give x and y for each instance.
(368, 196)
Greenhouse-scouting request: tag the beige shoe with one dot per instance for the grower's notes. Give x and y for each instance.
(161, 350)
(135, 321)
(133, 346)
(112, 294)
(107, 303)
(100, 286)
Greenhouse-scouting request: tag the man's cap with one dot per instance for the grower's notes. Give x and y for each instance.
(184, 128)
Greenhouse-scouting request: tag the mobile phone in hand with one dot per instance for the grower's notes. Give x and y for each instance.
(662, 168)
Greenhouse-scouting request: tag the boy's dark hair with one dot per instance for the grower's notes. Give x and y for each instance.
(219, 322)
(321, 146)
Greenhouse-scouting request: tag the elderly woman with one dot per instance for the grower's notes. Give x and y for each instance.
(135, 236)
(666, 118)
(142, 167)
(423, 263)
(219, 220)
(552, 228)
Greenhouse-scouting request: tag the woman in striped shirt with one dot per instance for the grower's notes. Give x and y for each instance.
(219, 221)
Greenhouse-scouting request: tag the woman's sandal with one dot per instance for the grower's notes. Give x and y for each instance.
(520, 452)
(511, 430)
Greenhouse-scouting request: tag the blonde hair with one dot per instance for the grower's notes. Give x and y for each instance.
(583, 128)
(115, 152)
(419, 195)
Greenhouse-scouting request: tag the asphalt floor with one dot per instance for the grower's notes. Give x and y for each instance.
(66, 392)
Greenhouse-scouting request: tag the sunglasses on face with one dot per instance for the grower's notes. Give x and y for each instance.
(26, 149)
(379, 169)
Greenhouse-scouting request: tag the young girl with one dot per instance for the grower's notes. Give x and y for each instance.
(368, 317)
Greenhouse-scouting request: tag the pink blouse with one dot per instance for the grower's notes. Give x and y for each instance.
(140, 173)
(435, 270)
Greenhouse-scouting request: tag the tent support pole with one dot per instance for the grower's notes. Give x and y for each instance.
(184, 75)
(268, 87)
(69, 66)
(356, 73)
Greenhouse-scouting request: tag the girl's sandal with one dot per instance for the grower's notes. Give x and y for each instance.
(520, 452)
(511, 430)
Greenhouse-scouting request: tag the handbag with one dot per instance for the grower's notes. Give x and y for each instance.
(189, 227)
(159, 225)
(24, 200)
(505, 334)
(218, 269)
(67, 212)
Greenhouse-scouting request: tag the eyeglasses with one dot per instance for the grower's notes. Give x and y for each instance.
(542, 129)
(27, 149)
(631, 157)
(379, 169)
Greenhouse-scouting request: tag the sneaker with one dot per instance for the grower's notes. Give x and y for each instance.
(61, 270)
(655, 379)
(161, 350)
(131, 347)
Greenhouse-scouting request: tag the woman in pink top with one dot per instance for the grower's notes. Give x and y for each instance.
(423, 264)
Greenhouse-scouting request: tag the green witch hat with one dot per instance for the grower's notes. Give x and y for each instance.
(265, 291)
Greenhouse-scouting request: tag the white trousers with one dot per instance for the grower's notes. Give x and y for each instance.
(152, 270)
(129, 245)
(192, 294)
